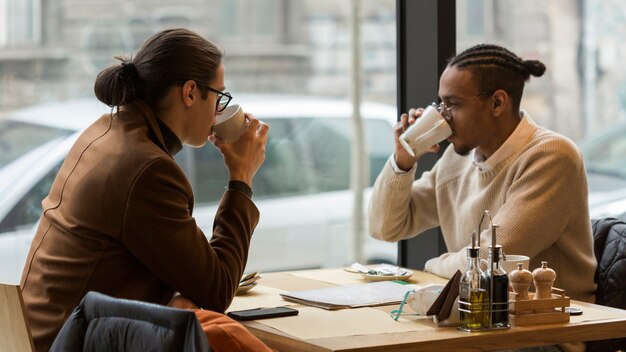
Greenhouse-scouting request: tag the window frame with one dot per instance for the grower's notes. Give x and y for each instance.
(421, 60)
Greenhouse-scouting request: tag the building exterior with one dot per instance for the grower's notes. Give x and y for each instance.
(53, 49)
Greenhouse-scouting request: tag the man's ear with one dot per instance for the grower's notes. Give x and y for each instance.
(189, 93)
(500, 101)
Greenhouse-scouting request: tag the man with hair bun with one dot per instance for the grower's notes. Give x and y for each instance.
(532, 180)
(119, 215)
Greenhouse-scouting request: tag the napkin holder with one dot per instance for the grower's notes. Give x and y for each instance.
(445, 308)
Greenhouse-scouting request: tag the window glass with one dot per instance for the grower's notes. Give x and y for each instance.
(606, 154)
(582, 94)
(26, 212)
(266, 17)
(20, 23)
(303, 156)
(274, 50)
(18, 138)
(228, 19)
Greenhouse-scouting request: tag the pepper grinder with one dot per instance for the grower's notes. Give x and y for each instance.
(520, 280)
(543, 278)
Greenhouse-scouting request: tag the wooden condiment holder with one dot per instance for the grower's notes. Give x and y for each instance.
(534, 311)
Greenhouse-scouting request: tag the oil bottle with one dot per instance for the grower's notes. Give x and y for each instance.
(500, 288)
(473, 293)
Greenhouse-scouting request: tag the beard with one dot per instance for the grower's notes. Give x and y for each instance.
(462, 150)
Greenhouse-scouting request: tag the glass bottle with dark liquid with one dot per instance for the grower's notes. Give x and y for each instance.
(500, 287)
(473, 293)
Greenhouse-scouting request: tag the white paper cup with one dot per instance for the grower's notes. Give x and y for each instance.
(429, 129)
(511, 261)
(229, 124)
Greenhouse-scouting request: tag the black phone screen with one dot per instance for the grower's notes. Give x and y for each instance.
(262, 313)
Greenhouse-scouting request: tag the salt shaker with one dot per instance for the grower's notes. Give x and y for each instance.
(543, 278)
(520, 280)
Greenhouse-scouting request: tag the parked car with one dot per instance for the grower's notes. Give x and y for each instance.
(605, 161)
(302, 190)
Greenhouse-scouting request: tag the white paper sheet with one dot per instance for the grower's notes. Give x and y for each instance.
(370, 294)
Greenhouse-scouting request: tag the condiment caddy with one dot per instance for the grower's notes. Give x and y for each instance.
(485, 302)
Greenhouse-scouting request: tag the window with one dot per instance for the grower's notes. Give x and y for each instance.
(582, 93)
(303, 156)
(252, 20)
(273, 49)
(17, 139)
(20, 23)
(28, 210)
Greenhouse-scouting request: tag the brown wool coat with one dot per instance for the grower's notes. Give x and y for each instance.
(118, 220)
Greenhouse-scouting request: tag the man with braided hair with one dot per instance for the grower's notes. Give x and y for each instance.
(532, 180)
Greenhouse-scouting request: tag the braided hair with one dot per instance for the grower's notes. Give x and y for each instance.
(494, 67)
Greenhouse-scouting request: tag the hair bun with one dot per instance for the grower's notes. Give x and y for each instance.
(535, 67)
(130, 70)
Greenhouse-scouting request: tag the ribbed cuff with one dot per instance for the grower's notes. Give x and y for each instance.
(396, 169)
(395, 180)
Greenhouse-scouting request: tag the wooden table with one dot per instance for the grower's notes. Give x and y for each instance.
(600, 323)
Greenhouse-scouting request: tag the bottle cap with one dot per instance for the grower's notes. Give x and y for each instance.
(520, 275)
(472, 252)
(499, 254)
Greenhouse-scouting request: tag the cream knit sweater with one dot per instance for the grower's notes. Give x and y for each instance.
(537, 196)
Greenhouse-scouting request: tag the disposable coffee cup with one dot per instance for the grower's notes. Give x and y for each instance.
(511, 261)
(229, 124)
(429, 129)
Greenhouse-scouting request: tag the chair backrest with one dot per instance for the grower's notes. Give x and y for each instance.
(609, 242)
(14, 332)
(103, 323)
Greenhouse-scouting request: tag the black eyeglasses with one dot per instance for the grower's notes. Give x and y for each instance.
(223, 98)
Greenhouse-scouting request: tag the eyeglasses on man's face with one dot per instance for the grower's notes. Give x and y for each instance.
(223, 98)
(444, 110)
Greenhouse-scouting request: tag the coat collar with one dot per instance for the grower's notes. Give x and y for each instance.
(165, 137)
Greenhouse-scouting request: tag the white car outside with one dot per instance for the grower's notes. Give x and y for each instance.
(302, 190)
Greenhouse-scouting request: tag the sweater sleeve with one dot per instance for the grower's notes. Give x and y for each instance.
(401, 208)
(161, 232)
(546, 202)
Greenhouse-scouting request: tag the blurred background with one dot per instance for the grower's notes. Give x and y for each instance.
(294, 58)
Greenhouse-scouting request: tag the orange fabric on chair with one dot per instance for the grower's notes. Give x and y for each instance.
(226, 334)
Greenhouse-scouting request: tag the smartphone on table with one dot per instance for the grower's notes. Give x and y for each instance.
(262, 313)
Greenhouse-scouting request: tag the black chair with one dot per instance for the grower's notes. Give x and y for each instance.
(609, 245)
(103, 323)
